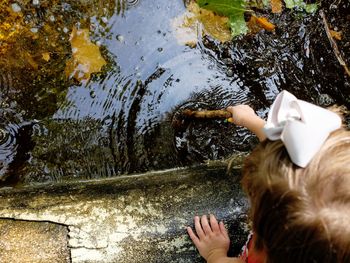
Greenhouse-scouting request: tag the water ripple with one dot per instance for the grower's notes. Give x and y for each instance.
(8, 148)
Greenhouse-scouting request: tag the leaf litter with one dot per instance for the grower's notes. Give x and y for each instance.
(86, 56)
(226, 19)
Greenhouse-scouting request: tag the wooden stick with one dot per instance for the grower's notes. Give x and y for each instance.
(180, 121)
(334, 44)
(207, 114)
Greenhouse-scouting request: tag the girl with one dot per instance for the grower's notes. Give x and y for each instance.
(298, 182)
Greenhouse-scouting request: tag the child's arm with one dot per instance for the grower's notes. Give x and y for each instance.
(212, 240)
(245, 116)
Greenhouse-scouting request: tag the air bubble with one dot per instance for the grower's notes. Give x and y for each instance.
(120, 38)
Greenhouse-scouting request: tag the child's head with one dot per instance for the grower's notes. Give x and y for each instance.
(301, 214)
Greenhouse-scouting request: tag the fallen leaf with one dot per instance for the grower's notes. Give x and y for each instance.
(253, 25)
(336, 35)
(214, 25)
(197, 21)
(186, 33)
(46, 56)
(234, 10)
(86, 56)
(276, 6)
(310, 8)
(256, 24)
(265, 23)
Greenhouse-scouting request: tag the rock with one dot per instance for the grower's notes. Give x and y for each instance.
(139, 218)
(40, 242)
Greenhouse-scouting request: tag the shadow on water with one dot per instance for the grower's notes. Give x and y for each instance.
(119, 122)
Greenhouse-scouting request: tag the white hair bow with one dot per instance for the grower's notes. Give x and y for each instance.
(302, 126)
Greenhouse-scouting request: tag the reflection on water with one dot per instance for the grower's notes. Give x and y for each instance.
(15, 142)
(120, 120)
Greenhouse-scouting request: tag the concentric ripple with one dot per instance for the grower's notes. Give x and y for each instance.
(8, 148)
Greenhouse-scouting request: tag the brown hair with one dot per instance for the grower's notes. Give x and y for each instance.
(301, 214)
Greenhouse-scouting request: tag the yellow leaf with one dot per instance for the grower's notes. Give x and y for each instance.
(214, 25)
(197, 21)
(46, 56)
(86, 56)
(336, 35)
(276, 6)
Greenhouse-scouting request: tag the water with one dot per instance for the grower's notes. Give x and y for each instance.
(119, 122)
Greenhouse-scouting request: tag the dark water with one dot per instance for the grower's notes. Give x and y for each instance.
(54, 128)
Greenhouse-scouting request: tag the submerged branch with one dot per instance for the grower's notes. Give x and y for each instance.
(207, 114)
(334, 44)
(182, 119)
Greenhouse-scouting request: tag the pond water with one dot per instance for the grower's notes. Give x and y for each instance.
(57, 128)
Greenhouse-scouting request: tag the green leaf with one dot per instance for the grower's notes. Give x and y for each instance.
(293, 3)
(310, 8)
(258, 4)
(224, 7)
(238, 25)
(266, 2)
(234, 9)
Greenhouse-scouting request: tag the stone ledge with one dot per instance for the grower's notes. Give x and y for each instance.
(33, 242)
(140, 218)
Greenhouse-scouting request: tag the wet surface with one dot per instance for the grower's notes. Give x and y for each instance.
(134, 218)
(55, 128)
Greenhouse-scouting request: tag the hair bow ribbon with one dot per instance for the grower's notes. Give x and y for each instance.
(303, 127)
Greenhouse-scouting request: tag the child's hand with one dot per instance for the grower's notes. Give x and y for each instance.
(212, 240)
(242, 114)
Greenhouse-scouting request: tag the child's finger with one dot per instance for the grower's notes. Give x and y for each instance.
(223, 230)
(205, 225)
(198, 227)
(193, 236)
(214, 224)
